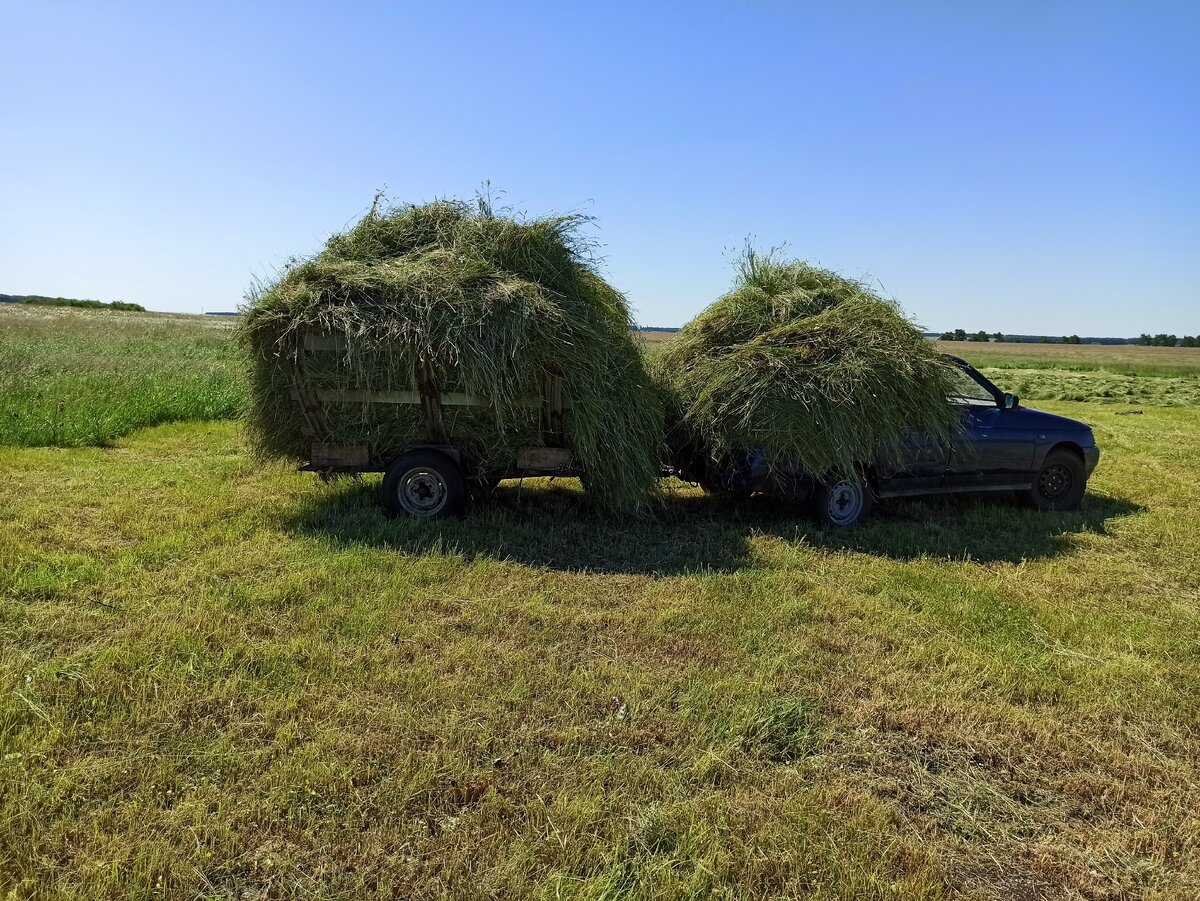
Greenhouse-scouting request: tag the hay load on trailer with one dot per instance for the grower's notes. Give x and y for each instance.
(447, 344)
(810, 370)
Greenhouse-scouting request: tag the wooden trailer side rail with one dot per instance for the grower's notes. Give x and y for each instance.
(316, 425)
(327, 454)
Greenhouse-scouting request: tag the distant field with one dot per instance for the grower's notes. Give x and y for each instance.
(72, 377)
(654, 336)
(1124, 359)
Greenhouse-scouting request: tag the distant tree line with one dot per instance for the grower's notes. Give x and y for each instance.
(1169, 341)
(1000, 338)
(39, 300)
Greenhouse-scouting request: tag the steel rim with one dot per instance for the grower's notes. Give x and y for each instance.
(423, 491)
(1054, 481)
(845, 503)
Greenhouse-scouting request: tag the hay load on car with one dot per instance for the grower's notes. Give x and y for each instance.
(811, 369)
(450, 331)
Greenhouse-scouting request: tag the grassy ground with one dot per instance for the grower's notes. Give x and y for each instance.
(1098, 387)
(80, 377)
(220, 679)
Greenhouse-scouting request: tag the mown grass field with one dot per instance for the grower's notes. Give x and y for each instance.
(225, 679)
(1123, 359)
(1118, 373)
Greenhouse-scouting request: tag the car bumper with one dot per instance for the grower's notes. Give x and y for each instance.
(1091, 456)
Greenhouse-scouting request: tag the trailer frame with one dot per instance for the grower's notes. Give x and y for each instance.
(551, 458)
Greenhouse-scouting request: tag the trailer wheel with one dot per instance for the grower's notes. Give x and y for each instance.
(424, 483)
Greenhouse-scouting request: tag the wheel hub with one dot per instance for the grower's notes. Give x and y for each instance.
(1054, 481)
(845, 502)
(422, 491)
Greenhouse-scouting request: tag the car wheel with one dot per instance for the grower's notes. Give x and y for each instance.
(424, 483)
(1059, 484)
(842, 502)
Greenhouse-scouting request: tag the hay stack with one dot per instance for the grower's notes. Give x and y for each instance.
(811, 367)
(494, 304)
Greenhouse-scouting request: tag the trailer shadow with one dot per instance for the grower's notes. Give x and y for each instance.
(552, 526)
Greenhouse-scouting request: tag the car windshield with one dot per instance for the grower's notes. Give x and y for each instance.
(968, 391)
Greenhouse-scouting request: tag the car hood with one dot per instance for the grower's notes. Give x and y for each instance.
(1028, 418)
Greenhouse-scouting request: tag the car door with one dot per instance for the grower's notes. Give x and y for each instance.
(920, 468)
(994, 450)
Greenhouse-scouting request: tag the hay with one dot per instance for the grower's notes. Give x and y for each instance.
(494, 304)
(811, 367)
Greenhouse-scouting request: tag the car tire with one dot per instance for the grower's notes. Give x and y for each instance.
(426, 484)
(1060, 483)
(842, 502)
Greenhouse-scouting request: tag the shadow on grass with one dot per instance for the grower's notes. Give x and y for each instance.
(552, 526)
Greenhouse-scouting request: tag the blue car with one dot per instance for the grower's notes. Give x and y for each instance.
(1003, 446)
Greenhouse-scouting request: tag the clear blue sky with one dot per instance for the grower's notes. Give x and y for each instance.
(1028, 167)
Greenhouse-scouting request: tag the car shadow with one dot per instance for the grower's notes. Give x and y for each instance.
(552, 526)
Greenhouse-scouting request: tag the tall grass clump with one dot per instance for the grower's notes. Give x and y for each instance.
(77, 377)
(811, 367)
(489, 303)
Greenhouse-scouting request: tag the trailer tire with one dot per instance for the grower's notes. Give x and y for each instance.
(424, 483)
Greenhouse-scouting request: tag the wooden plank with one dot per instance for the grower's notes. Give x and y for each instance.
(545, 459)
(431, 402)
(453, 399)
(395, 397)
(310, 408)
(324, 342)
(552, 407)
(328, 395)
(325, 454)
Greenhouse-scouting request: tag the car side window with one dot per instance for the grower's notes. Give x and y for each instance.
(967, 391)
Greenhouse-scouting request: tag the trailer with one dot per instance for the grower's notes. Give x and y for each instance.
(433, 475)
